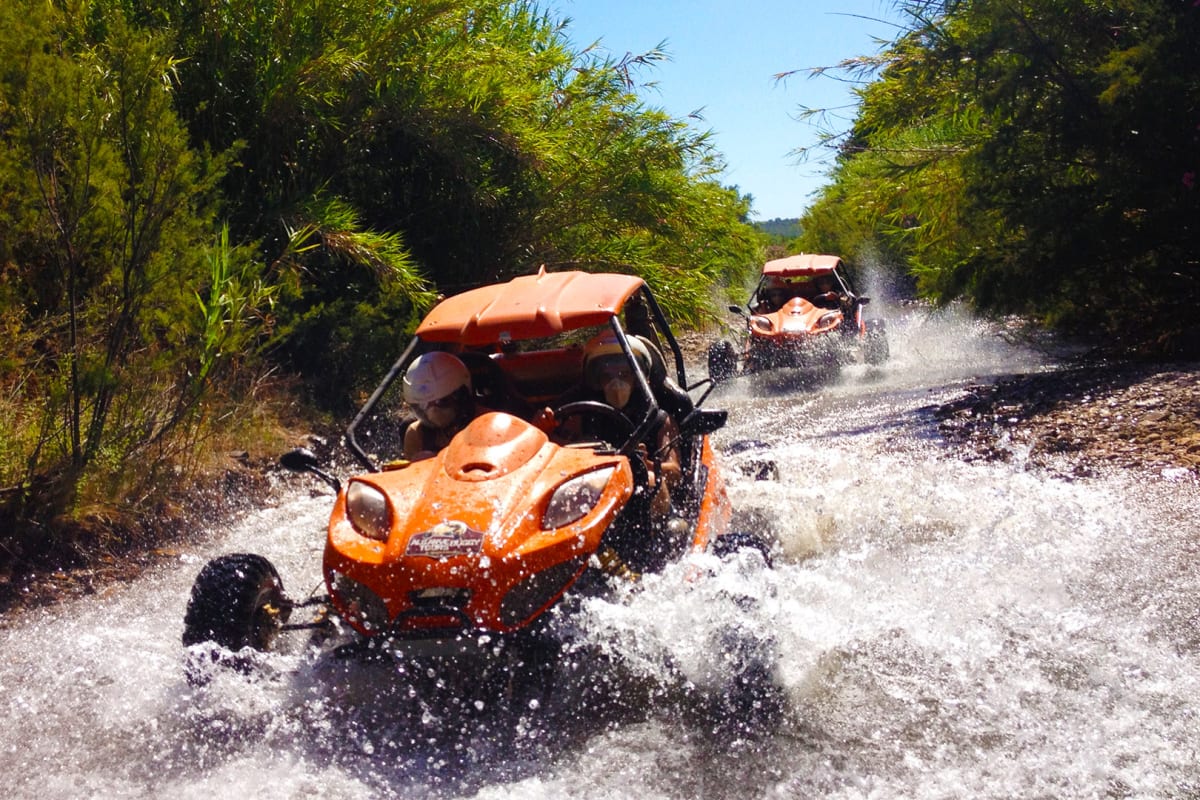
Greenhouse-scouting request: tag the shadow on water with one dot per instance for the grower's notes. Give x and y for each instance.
(780, 382)
(411, 727)
(398, 725)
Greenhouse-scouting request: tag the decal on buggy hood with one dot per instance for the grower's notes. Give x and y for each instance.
(452, 538)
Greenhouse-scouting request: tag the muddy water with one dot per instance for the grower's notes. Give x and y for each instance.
(931, 628)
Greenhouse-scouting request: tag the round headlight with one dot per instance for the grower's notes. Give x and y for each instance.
(368, 511)
(830, 319)
(575, 498)
(760, 323)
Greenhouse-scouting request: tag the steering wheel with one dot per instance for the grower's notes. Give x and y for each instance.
(825, 298)
(617, 426)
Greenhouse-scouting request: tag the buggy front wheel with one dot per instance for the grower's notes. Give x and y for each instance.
(729, 543)
(237, 601)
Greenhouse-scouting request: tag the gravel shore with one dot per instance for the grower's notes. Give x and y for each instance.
(1080, 420)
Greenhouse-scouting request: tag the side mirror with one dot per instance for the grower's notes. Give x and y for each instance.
(299, 460)
(862, 301)
(304, 460)
(702, 421)
(738, 310)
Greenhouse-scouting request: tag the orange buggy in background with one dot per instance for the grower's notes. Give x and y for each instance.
(482, 539)
(803, 314)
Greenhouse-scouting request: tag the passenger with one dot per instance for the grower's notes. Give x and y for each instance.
(637, 319)
(437, 386)
(777, 298)
(772, 296)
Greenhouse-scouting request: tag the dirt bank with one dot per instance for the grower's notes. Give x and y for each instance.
(1080, 420)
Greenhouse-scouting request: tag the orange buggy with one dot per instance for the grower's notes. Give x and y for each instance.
(802, 314)
(482, 539)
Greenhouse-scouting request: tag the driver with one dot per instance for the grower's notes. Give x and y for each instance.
(437, 386)
(828, 292)
(608, 374)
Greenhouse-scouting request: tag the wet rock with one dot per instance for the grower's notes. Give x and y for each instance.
(1121, 415)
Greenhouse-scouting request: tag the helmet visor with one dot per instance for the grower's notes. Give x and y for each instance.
(604, 369)
(443, 411)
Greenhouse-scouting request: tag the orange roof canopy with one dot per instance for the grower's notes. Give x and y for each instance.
(528, 307)
(803, 264)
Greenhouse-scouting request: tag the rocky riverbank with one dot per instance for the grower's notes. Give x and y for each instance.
(1081, 420)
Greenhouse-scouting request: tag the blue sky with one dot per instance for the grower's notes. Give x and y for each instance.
(723, 58)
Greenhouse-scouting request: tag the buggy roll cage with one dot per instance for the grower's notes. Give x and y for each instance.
(640, 429)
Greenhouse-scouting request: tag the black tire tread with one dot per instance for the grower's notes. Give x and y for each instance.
(733, 541)
(226, 600)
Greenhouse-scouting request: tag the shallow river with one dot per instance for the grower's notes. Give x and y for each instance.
(933, 628)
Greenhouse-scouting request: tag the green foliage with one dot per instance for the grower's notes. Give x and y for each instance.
(465, 143)
(104, 207)
(237, 313)
(1035, 157)
(780, 230)
(198, 193)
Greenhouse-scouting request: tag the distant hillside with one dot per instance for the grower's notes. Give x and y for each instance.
(780, 229)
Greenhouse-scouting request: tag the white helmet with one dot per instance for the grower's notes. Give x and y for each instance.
(432, 378)
(606, 367)
(603, 349)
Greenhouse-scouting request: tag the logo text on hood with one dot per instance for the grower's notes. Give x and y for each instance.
(451, 538)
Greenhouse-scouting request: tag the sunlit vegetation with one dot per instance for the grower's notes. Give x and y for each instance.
(1037, 157)
(209, 207)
